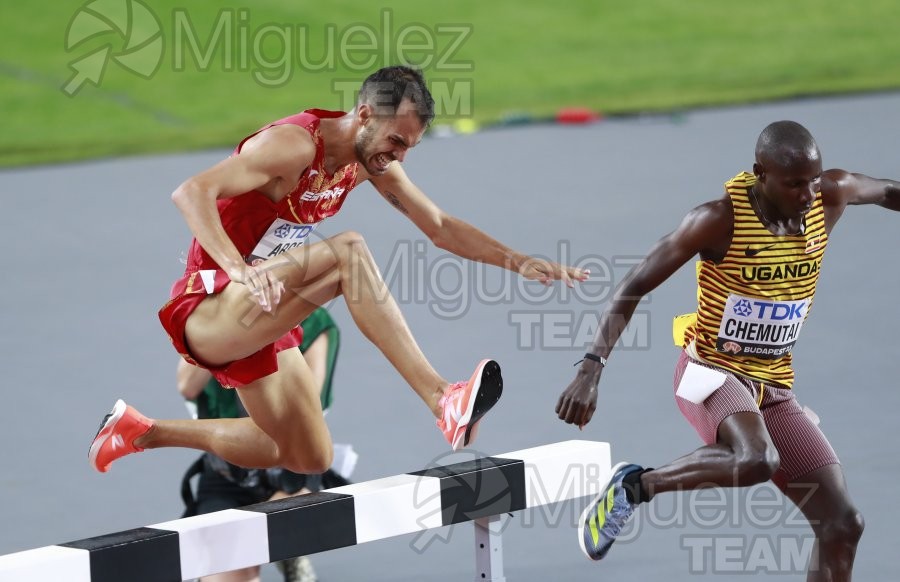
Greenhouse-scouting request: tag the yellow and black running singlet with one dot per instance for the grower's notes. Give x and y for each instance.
(752, 304)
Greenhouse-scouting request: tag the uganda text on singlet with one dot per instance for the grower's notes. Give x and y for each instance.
(752, 304)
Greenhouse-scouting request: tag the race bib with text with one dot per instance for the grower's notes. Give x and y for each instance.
(283, 235)
(760, 328)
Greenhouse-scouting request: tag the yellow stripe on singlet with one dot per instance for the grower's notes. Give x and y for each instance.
(770, 281)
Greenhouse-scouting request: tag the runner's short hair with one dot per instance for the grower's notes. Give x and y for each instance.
(386, 88)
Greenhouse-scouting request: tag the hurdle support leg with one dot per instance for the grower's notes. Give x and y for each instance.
(489, 548)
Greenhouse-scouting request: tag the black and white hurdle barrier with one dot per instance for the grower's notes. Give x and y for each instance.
(480, 490)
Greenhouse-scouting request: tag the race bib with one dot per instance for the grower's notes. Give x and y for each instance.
(760, 328)
(282, 235)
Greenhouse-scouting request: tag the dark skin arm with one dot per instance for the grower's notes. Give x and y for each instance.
(841, 188)
(705, 230)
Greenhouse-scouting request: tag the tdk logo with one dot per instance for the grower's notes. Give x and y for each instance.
(743, 308)
(293, 231)
(770, 311)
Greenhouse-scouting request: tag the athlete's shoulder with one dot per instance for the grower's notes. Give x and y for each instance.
(835, 186)
(284, 142)
(714, 214)
(707, 228)
(287, 134)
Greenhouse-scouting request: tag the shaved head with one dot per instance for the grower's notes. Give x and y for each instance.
(785, 143)
(788, 172)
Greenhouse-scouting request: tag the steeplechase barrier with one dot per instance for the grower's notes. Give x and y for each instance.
(482, 490)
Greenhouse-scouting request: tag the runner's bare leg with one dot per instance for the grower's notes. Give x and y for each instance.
(229, 326)
(287, 427)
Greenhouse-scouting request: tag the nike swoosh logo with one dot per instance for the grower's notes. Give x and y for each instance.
(748, 252)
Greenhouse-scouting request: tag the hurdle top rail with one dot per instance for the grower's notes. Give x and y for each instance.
(482, 490)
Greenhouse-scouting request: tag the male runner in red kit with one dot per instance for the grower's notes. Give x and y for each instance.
(250, 280)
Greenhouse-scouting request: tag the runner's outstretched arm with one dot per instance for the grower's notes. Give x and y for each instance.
(842, 188)
(704, 230)
(461, 238)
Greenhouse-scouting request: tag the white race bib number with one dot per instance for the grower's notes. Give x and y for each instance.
(283, 235)
(760, 328)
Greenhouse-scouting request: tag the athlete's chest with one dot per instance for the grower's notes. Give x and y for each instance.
(316, 196)
(319, 194)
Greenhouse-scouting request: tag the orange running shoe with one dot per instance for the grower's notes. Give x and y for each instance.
(464, 403)
(116, 435)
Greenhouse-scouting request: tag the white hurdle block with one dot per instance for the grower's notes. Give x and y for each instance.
(482, 490)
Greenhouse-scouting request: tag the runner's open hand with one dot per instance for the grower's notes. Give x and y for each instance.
(546, 272)
(578, 401)
(264, 288)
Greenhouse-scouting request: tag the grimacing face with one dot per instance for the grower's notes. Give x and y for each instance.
(792, 187)
(383, 139)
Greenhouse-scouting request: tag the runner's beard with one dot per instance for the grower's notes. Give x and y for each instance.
(362, 146)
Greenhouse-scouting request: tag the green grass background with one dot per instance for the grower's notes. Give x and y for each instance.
(532, 57)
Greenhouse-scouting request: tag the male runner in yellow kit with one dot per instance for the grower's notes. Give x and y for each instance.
(761, 248)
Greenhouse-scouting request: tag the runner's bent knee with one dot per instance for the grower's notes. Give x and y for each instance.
(756, 465)
(846, 528)
(350, 237)
(351, 243)
(307, 264)
(303, 458)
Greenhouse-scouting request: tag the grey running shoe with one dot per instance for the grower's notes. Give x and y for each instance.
(606, 515)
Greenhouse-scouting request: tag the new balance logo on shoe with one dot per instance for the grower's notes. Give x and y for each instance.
(116, 435)
(454, 410)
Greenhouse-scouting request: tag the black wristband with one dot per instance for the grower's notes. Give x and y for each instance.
(593, 357)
